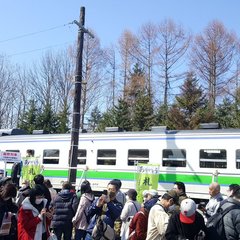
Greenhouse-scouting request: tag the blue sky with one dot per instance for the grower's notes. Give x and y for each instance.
(108, 18)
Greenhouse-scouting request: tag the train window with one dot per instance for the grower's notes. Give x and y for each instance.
(136, 156)
(174, 158)
(51, 156)
(12, 151)
(82, 156)
(106, 157)
(238, 158)
(213, 158)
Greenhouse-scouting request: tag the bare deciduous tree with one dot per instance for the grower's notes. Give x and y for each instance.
(127, 41)
(173, 42)
(144, 51)
(8, 87)
(212, 56)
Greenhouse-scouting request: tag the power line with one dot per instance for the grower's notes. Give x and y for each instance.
(33, 33)
(38, 49)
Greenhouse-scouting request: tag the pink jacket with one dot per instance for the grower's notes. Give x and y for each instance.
(79, 220)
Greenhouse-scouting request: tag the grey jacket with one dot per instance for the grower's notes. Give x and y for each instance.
(232, 220)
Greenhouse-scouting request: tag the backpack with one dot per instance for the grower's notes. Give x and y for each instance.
(102, 231)
(85, 211)
(215, 224)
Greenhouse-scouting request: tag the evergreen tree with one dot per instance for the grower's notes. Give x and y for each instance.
(48, 120)
(143, 117)
(136, 84)
(161, 115)
(108, 120)
(28, 121)
(95, 118)
(62, 118)
(123, 115)
(190, 107)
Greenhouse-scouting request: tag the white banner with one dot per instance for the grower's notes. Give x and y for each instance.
(10, 157)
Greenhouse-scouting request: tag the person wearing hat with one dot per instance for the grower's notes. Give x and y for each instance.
(131, 207)
(139, 223)
(149, 194)
(186, 224)
(158, 216)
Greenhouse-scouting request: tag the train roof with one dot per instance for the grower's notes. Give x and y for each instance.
(125, 134)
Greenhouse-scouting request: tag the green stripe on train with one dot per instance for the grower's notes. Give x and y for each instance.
(200, 179)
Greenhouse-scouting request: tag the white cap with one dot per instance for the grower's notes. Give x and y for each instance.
(153, 192)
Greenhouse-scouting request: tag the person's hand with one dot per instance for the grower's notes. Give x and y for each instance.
(48, 215)
(102, 200)
(43, 212)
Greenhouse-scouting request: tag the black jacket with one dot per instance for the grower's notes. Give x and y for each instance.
(176, 229)
(64, 205)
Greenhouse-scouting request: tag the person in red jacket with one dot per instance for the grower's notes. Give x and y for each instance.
(139, 223)
(33, 218)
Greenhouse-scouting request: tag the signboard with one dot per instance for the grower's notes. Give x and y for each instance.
(10, 157)
(147, 178)
(30, 168)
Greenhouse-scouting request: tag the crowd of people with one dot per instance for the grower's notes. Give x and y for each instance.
(35, 212)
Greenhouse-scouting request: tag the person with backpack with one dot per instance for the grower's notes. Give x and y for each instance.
(139, 223)
(80, 220)
(186, 224)
(225, 224)
(131, 207)
(64, 207)
(158, 216)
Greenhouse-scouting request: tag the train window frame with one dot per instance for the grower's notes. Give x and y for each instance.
(170, 157)
(215, 162)
(108, 158)
(81, 160)
(237, 158)
(51, 159)
(135, 157)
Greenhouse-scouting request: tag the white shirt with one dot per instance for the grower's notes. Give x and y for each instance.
(157, 223)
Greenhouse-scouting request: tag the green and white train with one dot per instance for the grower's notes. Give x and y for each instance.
(195, 157)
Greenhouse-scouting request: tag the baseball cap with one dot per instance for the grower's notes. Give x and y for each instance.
(173, 194)
(187, 211)
(153, 192)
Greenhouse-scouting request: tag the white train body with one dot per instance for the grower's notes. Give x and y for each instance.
(195, 157)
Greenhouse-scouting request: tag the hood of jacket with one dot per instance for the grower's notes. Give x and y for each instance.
(26, 205)
(89, 196)
(65, 194)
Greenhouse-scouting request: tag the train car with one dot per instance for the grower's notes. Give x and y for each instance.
(195, 157)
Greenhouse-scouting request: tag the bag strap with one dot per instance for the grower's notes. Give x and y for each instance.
(223, 212)
(135, 206)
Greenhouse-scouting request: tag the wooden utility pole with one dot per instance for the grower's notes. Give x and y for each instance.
(72, 174)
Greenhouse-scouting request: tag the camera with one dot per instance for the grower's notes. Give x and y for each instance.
(105, 192)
